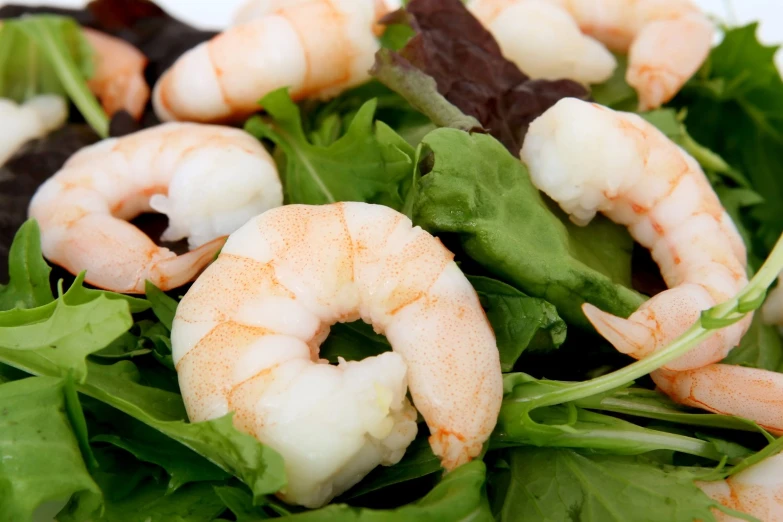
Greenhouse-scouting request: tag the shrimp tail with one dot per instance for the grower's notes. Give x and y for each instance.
(627, 336)
(173, 272)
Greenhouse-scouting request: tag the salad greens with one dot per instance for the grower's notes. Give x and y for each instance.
(90, 408)
(49, 54)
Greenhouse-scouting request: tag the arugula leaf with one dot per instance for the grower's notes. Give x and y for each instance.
(460, 495)
(556, 485)
(761, 347)
(54, 339)
(217, 440)
(240, 503)
(49, 54)
(418, 461)
(353, 342)
(520, 322)
(153, 502)
(370, 163)
(182, 464)
(163, 306)
(40, 459)
(735, 107)
(481, 193)
(28, 284)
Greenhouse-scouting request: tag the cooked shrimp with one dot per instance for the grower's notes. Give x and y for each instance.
(246, 338)
(666, 40)
(315, 47)
(118, 79)
(544, 41)
(33, 119)
(591, 159)
(729, 390)
(757, 491)
(208, 180)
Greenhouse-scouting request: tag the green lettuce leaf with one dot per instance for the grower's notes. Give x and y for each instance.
(460, 495)
(761, 347)
(28, 285)
(240, 502)
(370, 163)
(117, 385)
(735, 108)
(48, 54)
(520, 322)
(163, 306)
(554, 485)
(479, 192)
(54, 339)
(41, 460)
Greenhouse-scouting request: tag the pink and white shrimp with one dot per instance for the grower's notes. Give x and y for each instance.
(316, 47)
(208, 180)
(666, 40)
(118, 79)
(591, 159)
(33, 119)
(756, 491)
(246, 339)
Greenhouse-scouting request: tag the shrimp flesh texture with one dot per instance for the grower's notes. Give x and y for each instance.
(118, 79)
(208, 180)
(591, 159)
(666, 40)
(31, 120)
(756, 491)
(246, 339)
(315, 47)
(728, 390)
(544, 41)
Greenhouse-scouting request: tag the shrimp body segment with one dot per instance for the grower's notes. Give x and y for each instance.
(208, 180)
(33, 119)
(591, 159)
(756, 491)
(118, 79)
(544, 40)
(246, 339)
(315, 47)
(666, 40)
(729, 390)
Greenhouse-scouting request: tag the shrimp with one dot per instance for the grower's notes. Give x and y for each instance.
(589, 158)
(208, 180)
(118, 79)
(544, 41)
(34, 119)
(729, 390)
(756, 491)
(315, 47)
(246, 339)
(666, 40)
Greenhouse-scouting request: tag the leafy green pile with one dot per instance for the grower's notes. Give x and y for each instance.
(90, 411)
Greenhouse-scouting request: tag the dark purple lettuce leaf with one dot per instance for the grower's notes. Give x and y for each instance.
(463, 58)
(26, 170)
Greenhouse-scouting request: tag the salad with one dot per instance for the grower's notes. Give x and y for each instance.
(354, 260)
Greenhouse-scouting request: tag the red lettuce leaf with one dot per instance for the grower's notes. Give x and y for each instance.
(470, 72)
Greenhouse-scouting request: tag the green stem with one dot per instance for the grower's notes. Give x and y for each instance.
(732, 310)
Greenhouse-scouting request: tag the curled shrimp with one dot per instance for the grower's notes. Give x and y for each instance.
(208, 180)
(33, 119)
(591, 159)
(544, 40)
(756, 491)
(315, 47)
(666, 40)
(118, 79)
(246, 339)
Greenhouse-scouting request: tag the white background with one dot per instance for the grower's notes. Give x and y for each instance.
(215, 14)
